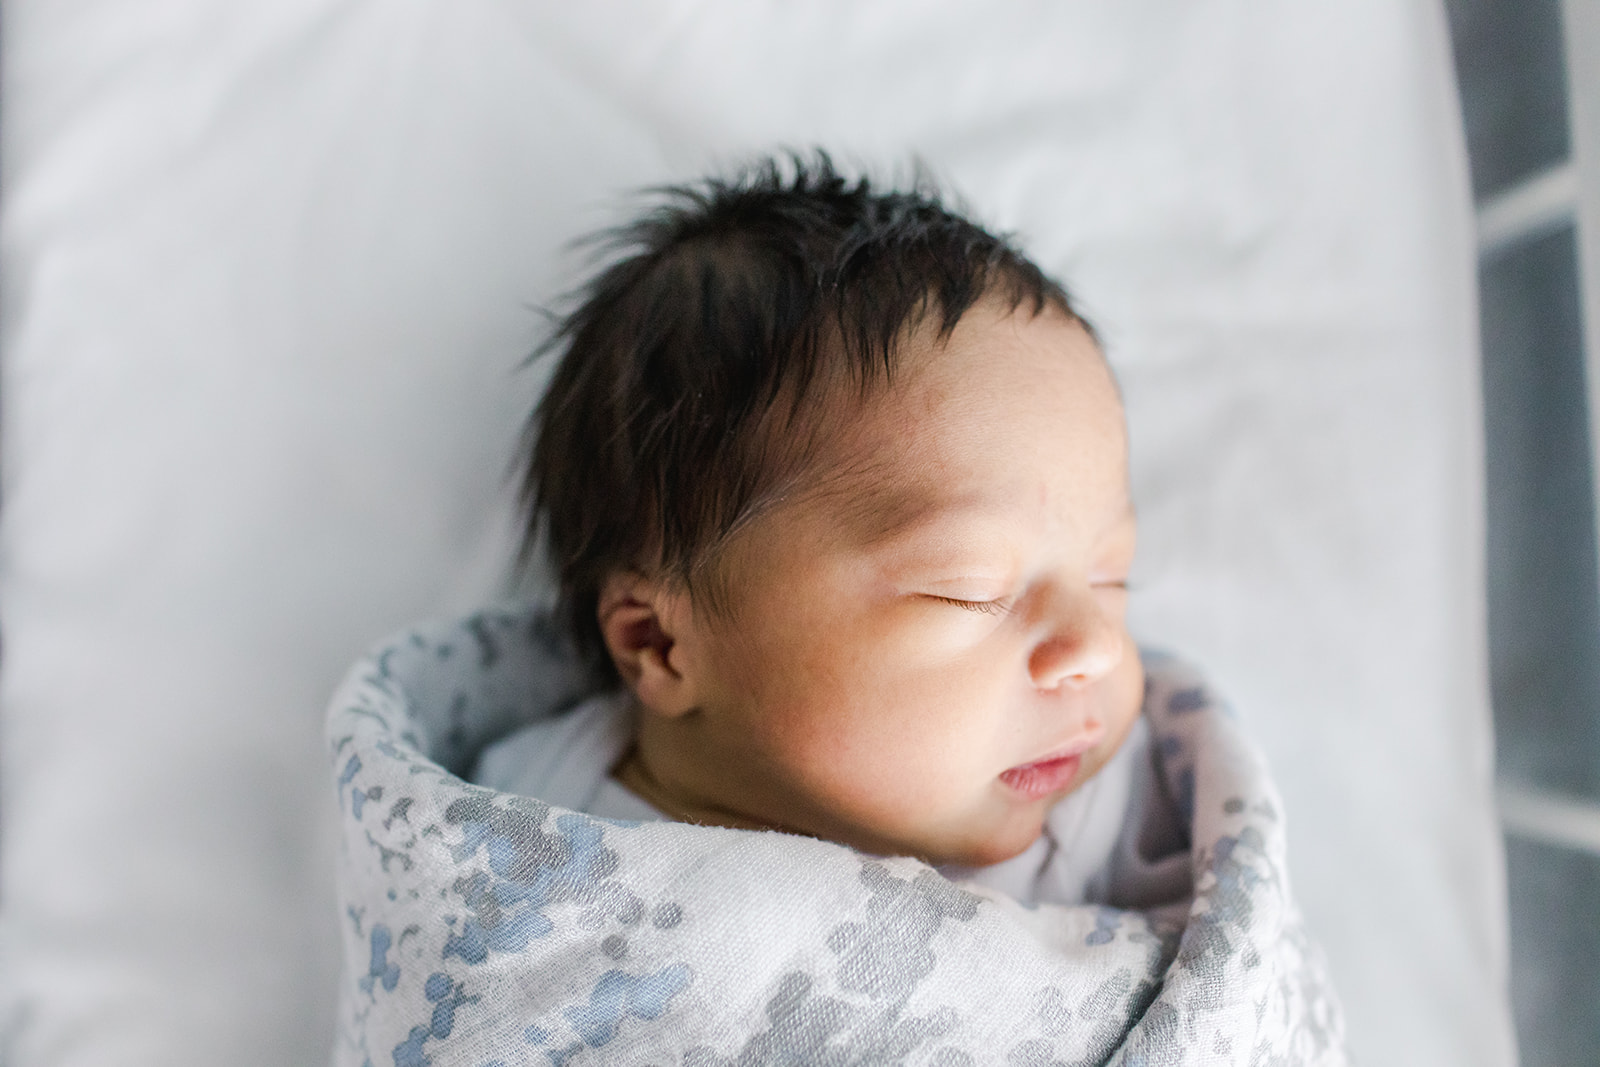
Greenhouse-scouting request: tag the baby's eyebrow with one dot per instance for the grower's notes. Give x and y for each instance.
(876, 500)
(876, 503)
(876, 517)
(900, 510)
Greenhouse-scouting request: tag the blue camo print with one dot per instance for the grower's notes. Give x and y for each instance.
(484, 929)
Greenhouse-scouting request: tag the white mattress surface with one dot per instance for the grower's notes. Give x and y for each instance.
(268, 269)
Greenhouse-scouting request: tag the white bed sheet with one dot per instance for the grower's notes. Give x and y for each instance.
(266, 276)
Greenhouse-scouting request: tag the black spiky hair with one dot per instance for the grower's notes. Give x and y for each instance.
(720, 309)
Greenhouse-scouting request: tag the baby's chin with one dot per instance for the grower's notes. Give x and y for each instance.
(987, 849)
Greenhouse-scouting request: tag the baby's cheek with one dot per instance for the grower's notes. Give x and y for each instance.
(1124, 698)
(867, 764)
(1131, 674)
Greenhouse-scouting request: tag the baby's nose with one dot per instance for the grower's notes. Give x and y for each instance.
(1082, 644)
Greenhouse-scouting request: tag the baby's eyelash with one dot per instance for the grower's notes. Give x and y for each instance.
(982, 607)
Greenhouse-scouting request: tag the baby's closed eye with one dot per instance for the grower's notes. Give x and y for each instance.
(985, 607)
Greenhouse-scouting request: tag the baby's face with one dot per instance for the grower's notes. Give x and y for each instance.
(927, 646)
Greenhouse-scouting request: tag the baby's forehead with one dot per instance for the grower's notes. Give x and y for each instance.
(948, 427)
(933, 374)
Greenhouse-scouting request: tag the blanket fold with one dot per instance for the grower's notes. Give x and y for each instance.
(484, 928)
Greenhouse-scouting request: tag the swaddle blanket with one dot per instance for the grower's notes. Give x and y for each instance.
(485, 929)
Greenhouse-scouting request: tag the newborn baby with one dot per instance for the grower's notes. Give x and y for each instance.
(836, 486)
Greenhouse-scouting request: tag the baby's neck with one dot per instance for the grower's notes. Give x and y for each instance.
(634, 772)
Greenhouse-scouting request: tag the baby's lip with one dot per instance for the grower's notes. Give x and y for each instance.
(1053, 771)
(1076, 747)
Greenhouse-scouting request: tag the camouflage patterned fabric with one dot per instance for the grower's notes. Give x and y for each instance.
(484, 929)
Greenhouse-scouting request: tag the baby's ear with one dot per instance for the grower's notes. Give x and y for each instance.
(640, 618)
